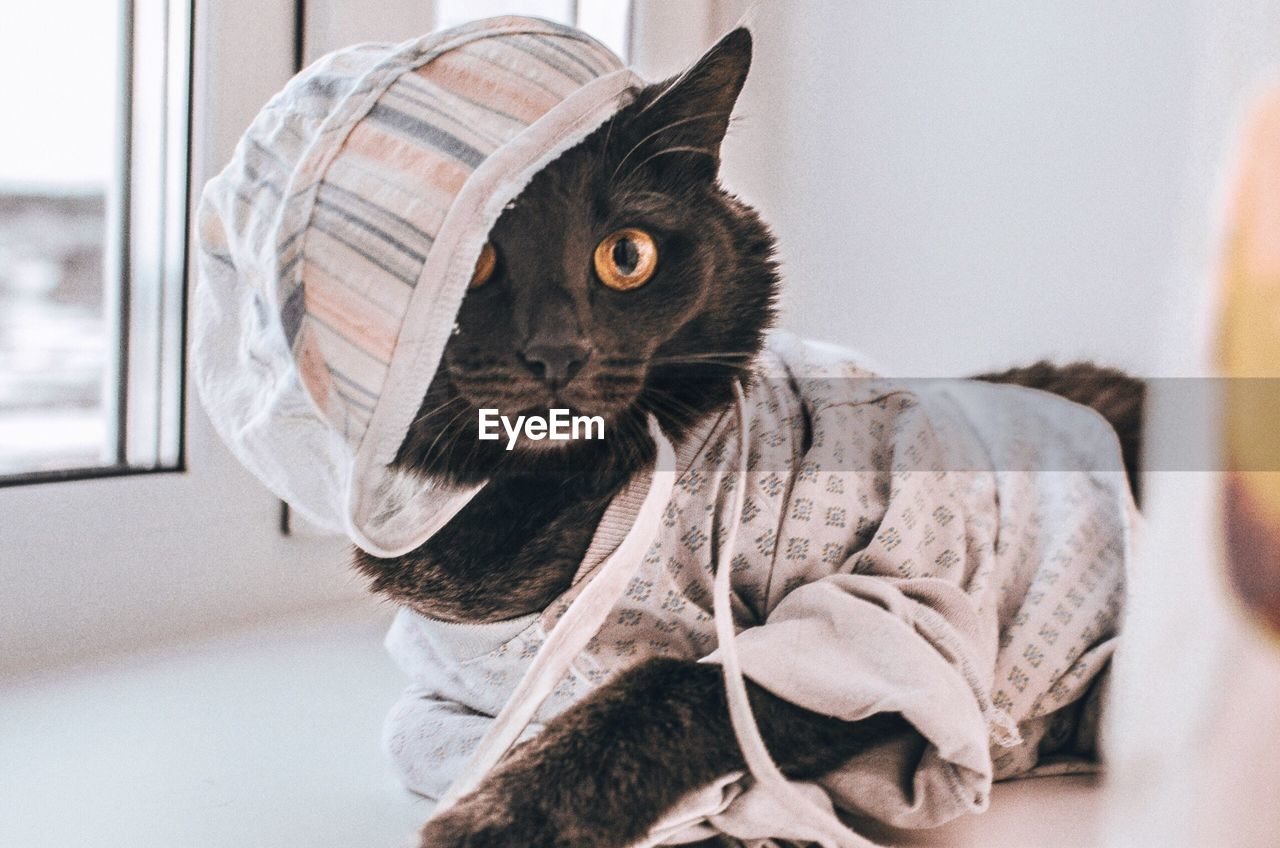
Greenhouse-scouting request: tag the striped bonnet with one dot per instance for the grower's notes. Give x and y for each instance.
(336, 247)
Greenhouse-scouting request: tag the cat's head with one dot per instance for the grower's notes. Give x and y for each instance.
(623, 281)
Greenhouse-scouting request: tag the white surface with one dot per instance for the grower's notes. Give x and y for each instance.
(955, 185)
(964, 185)
(1050, 812)
(267, 738)
(270, 738)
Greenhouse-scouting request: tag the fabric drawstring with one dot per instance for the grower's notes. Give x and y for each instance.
(823, 826)
(587, 614)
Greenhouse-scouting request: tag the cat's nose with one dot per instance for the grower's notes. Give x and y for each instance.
(556, 364)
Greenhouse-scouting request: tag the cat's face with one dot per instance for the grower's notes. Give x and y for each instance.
(622, 282)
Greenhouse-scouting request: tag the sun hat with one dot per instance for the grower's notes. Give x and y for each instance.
(336, 246)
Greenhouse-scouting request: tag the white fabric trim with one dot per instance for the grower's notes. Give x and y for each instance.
(576, 628)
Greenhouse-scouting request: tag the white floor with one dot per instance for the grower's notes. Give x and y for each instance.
(269, 738)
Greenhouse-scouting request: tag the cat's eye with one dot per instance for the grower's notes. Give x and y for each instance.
(625, 260)
(485, 266)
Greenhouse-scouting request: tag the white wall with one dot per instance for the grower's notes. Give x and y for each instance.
(964, 185)
(955, 185)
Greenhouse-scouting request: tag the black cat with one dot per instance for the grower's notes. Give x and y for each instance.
(546, 325)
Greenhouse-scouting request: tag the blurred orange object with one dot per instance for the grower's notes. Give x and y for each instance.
(1250, 358)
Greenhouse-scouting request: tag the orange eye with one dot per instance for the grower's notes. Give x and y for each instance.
(485, 266)
(625, 260)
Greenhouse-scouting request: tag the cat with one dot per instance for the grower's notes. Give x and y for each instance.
(539, 330)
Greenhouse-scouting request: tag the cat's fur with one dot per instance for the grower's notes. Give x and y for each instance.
(605, 770)
(1116, 395)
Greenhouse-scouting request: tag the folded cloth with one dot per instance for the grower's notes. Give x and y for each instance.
(954, 552)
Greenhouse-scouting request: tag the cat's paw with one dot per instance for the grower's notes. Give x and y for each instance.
(448, 832)
(498, 817)
(485, 821)
(459, 829)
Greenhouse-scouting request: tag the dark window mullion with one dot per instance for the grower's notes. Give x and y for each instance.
(299, 61)
(120, 236)
(299, 34)
(188, 111)
(160, 326)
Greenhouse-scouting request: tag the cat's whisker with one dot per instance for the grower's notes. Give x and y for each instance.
(742, 358)
(676, 149)
(675, 411)
(704, 362)
(657, 198)
(663, 401)
(743, 353)
(659, 130)
(435, 411)
(608, 133)
(675, 82)
(445, 429)
(630, 444)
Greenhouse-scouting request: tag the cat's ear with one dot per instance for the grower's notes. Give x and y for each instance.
(683, 120)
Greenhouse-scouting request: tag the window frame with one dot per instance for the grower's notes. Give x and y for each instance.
(145, 250)
(104, 561)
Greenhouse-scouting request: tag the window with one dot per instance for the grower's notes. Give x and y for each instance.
(106, 564)
(93, 200)
(607, 20)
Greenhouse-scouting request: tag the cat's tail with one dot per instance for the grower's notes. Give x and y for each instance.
(1117, 396)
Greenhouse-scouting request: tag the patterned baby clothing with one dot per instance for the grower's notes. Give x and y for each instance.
(949, 550)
